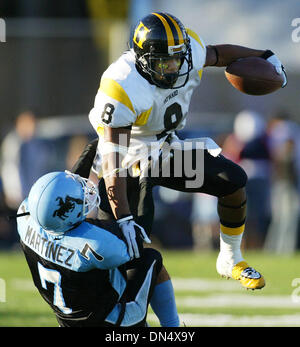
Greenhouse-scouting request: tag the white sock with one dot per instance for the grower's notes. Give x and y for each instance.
(230, 253)
(230, 247)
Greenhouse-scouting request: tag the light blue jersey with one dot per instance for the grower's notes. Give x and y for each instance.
(81, 249)
(82, 274)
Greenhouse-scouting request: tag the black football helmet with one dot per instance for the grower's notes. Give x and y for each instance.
(157, 38)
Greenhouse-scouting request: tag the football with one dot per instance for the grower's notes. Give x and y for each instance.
(254, 76)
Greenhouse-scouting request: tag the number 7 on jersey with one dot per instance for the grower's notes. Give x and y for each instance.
(53, 276)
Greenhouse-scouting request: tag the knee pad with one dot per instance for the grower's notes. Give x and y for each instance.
(224, 176)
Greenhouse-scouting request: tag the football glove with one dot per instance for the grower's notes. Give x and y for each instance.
(273, 59)
(129, 228)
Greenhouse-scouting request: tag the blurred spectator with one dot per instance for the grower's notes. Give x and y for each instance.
(7, 227)
(284, 145)
(25, 157)
(10, 148)
(77, 144)
(171, 225)
(36, 154)
(248, 146)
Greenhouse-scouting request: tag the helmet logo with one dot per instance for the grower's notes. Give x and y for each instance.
(140, 35)
(66, 206)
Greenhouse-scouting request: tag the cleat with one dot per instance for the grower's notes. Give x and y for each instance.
(242, 272)
(248, 276)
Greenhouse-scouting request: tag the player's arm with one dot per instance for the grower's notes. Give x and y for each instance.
(116, 140)
(224, 55)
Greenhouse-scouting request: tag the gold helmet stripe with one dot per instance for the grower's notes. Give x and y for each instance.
(170, 36)
(179, 32)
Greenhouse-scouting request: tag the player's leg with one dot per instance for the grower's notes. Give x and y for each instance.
(232, 213)
(225, 180)
(147, 281)
(230, 262)
(163, 300)
(230, 180)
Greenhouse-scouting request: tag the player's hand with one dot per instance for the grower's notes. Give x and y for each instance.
(129, 228)
(274, 60)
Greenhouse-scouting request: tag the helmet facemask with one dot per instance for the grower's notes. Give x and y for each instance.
(154, 65)
(90, 192)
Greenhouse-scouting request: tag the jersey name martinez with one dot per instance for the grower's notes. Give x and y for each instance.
(49, 249)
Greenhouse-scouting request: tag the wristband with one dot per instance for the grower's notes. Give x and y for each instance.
(110, 147)
(124, 219)
(114, 171)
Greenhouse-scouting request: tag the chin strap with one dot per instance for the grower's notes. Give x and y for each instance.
(18, 215)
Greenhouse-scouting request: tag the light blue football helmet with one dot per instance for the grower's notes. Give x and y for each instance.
(58, 201)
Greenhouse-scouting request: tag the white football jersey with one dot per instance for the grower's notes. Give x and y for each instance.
(126, 98)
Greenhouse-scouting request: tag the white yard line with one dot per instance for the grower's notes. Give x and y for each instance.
(238, 300)
(202, 284)
(23, 284)
(222, 320)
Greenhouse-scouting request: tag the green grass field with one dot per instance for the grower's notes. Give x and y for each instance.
(203, 298)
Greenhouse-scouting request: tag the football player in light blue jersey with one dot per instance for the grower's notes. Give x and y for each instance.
(80, 265)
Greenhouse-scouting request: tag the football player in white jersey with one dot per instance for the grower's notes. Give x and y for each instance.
(142, 101)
